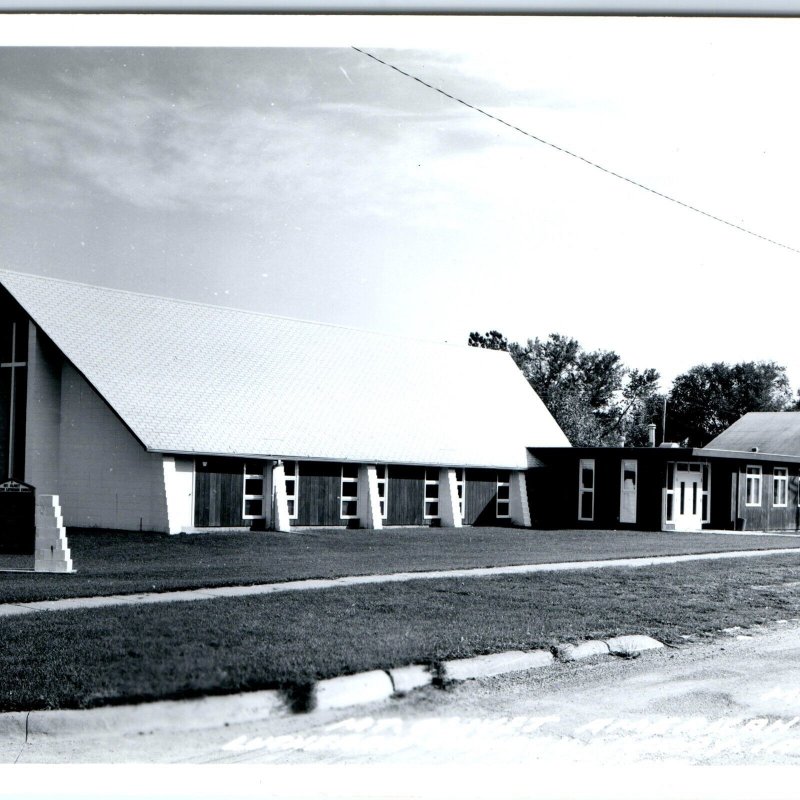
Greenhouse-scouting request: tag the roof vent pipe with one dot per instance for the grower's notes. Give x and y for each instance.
(651, 435)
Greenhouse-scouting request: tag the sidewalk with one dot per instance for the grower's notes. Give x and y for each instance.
(13, 609)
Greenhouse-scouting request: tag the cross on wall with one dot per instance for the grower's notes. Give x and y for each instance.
(13, 365)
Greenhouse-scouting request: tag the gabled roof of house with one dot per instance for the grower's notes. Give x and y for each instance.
(772, 432)
(192, 378)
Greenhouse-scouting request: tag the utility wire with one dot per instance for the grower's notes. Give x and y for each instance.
(576, 155)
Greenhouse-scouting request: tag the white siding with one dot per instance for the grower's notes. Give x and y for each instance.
(108, 480)
(42, 414)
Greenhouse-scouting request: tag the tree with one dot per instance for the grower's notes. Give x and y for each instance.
(491, 340)
(594, 398)
(708, 398)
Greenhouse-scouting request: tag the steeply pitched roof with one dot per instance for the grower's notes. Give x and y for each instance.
(775, 432)
(193, 378)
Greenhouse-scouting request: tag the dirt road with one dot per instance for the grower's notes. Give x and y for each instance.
(731, 701)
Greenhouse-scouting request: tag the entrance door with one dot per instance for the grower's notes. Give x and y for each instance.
(688, 501)
(627, 498)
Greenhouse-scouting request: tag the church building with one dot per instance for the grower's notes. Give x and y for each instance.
(155, 414)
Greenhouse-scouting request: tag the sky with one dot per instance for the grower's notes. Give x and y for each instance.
(314, 182)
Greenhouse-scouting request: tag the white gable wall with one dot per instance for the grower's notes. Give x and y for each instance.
(42, 414)
(107, 479)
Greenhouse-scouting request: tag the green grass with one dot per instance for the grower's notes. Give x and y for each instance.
(118, 563)
(173, 650)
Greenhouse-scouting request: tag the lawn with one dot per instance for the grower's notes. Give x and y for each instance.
(173, 650)
(119, 563)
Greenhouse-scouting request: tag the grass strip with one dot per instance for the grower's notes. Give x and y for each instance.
(79, 659)
(122, 562)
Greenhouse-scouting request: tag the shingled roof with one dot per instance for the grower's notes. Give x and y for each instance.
(192, 378)
(772, 432)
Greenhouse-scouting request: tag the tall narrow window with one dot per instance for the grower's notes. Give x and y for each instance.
(753, 486)
(586, 489)
(13, 385)
(253, 494)
(669, 511)
(292, 479)
(383, 484)
(706, 492)
(780, 486)
(349, 494)
(461, 488)
(503, 509)
(431, 509)
(627, 499)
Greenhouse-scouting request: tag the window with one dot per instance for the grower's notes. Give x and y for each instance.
(349, 493)
(253, 494)
(503, 506)
(753, 486)
(780, 486)
(586, 489)
(669, 512)
(628, 481)
(292, 476)
(706, 490)
(383, 482)
(13, 386)
(431, 508)
(461, 487)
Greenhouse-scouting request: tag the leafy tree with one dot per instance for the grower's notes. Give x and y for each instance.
(594, 398)
(491, 340)
(709, 397)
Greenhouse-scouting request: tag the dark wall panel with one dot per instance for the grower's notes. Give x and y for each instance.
(406, 496)
(319, 494)
(218, 493)
(481, 493)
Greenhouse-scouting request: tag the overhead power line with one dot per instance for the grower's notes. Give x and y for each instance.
(579, 157)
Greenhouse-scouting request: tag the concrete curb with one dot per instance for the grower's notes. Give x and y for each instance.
(353, 690)
(341, 692)
(406, 679)
(628, 646)
(577, 652)
(12, 725)
(144, 718)
(496, 664)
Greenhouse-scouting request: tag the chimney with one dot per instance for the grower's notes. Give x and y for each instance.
(651, 435)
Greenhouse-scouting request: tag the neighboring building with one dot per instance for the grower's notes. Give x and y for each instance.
(746, 478)
(148, 413)
(758, 459)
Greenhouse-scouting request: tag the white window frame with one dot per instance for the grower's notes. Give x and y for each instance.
(383, 499)
(249, 474)
(292, 497)
(780, 477)
(428, 481)
(705, 492)
(588, 464)
(349, 481)
(461, 489)
(505, 501)
(756, 478)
